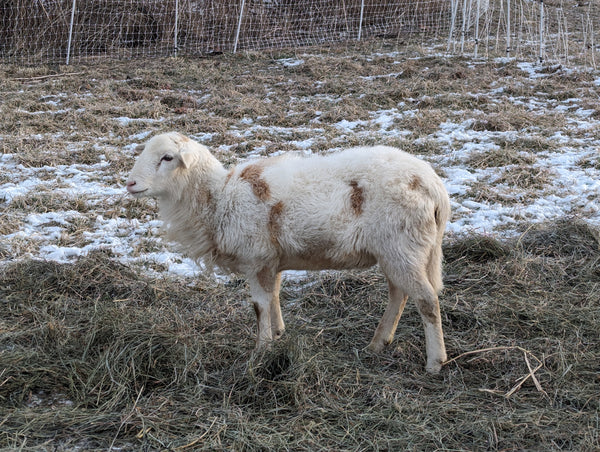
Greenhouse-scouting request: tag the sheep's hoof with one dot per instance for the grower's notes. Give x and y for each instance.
(434, 368)
(375, 347)
(263, 344)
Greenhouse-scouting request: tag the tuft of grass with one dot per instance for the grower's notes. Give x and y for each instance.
(476, 248)
(48, 201)
(590, 162)
(499, 158)
(493, 123)
(526, 177)
(483, 191)
(568, 237)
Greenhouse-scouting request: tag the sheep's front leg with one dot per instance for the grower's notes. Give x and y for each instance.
(264, 289)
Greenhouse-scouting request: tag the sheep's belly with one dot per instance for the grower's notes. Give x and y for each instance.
(321, 261)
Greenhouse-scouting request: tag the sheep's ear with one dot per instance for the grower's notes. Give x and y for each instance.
(187, 157)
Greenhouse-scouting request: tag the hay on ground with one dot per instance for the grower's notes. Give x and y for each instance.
(95, 355)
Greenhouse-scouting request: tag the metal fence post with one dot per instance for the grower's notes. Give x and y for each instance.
(175, 44)
(508, 28)
(541, 31)
(477, 27)
(239, 27)
(452, 25)
(71, 32)
(463, 32)
(360, 22)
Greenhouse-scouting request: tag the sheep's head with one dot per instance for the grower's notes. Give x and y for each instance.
(159, 169)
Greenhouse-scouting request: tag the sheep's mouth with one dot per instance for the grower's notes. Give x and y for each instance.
(138, 192)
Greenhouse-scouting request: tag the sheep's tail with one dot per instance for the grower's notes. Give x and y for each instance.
(441, 215)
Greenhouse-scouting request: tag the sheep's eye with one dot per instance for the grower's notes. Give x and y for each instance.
(166, 158)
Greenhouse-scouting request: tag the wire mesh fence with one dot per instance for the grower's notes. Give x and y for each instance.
(63, 31)
(538, 30)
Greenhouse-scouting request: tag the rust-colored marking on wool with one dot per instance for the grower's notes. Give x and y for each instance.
(229, 176)
(427, 310)
(204, 197)
(415, 182)
(356, 198)
(260, 188)
(275, 221)
(266, 279)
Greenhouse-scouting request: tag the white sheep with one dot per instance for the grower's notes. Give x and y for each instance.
(350, 209)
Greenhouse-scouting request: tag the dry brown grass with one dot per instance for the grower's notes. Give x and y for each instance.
(49, 201)
(526, 177)
(499, 158)
(96, 355)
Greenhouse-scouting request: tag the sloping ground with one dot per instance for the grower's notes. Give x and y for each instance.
(96, 355)
(516, 144)
(101, 344)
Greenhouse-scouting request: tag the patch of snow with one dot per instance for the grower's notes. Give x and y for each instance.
(290, 62)
(573, 189)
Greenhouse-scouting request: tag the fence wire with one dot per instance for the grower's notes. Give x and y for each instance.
(63, 31)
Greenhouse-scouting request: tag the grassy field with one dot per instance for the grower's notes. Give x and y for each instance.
(111, 341)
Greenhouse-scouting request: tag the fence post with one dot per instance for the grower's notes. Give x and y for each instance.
(175, 44)
(541, 31)
(593, 45)
(508, 28)
(237, 33)
(71, 32)
(464, 30)
(477, 27)
(360, 22)
(452, 24)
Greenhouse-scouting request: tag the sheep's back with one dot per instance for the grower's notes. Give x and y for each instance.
(346, 201)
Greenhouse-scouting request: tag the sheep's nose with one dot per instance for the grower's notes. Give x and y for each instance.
(130, 185)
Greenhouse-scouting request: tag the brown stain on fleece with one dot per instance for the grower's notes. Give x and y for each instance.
(356, 198)
(274, 223)
(229, 175)
(427, 310)
(204, 197)
(415, 183)
(252, 175)
(266, 279)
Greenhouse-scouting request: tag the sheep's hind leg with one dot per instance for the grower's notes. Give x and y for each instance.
(277, 325)
(429, 308)
(384, 334)
(414, 283)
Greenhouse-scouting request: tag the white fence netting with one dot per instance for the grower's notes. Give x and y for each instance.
(59, 31)
(542, 30)
(52, 30)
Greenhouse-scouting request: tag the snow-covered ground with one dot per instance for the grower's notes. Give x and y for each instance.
(571, 188)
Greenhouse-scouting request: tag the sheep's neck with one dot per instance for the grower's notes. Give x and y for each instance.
(189, 218)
